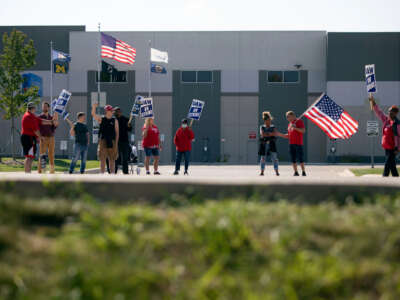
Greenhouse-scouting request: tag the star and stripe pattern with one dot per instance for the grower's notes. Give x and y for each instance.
(117, 50)
(331, 118)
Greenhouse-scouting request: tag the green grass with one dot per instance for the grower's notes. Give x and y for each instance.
(61, 165)
(192, 248)
(361, 172)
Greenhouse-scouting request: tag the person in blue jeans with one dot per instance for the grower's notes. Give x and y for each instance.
(80, 131)
(268, 143)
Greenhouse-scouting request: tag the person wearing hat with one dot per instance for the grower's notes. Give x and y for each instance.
(30, 133)
(125, 127)
(183, 142)
(390, 136)
(108, 137)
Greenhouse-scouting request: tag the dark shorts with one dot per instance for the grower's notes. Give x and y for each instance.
(152, 151)
(29, 145)
(296, 153)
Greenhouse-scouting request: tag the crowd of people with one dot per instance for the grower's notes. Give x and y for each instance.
(114, 148)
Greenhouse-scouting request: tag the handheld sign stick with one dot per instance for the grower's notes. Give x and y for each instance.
(191, 123)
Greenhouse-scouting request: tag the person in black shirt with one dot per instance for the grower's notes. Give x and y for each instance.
(81, 133)
(268, 143)
(108, 137)
(125, 126)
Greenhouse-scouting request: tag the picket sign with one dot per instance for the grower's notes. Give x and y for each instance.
(195, 110)
(135, 111)
(62, 101)
(370, 78)
(146, 108)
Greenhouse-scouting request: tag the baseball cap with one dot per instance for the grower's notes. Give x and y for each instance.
(184, 121)
(108, 108)
(31, 105)
(116, 108)
(394, 108)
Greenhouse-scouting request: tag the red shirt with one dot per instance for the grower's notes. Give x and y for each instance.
(295, 137)
(46, 130)
(183, 139)
(30, 123)
(152, 140)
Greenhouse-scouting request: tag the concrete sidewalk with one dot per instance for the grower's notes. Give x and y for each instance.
(209, 181)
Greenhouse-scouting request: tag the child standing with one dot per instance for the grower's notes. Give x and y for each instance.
(267, 147)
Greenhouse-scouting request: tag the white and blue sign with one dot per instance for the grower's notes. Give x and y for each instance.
(196, 109)
(146, 108)
(62, 101)
(136, 106)
(370, 78)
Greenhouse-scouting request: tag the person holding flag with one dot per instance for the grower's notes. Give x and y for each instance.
(183, 142)
(390, 136)
(296, 130)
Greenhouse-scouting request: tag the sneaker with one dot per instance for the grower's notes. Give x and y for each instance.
(303, 173)
(262, 173)
(176, 172)
(157, 173)
(147, 172)
(186, 173)
(277, 173)
(296, 174)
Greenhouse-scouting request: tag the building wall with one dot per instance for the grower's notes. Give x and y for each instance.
(238, 118)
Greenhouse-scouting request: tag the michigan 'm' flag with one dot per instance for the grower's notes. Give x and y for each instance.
(331, 118)
(117, 50)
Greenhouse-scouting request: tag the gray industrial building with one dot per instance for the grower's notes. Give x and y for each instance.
(238, 75)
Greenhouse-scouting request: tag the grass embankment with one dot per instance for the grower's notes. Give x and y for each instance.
(188, 248)
(61, 165)
(369, 171)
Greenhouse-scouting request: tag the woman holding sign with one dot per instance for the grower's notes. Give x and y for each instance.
(151, 145)
(390, 136)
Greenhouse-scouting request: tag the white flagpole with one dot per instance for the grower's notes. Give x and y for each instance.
(149, 68)
(51, 72)
(99, 67)
(319, 98)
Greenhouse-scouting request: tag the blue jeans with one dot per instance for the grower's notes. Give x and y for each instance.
(179, 155)
(274, 159)
(79, 151)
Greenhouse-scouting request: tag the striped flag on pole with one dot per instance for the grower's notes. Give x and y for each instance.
(331, 118)
(117, 50)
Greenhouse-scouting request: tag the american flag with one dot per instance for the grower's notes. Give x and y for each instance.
(117, 50)
(331, 118)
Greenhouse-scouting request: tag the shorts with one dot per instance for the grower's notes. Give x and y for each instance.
(103, 152)
(151, 152)
(296, 153)
(29, 145)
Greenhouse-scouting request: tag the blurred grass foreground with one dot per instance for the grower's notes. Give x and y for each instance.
(191, 248)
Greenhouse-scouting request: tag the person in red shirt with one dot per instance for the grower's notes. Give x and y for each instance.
(296, 130)
(183, 142)
(390, 136)
(30, 132)
(151, 145)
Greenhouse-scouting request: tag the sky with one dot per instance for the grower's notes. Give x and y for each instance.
(200, 15)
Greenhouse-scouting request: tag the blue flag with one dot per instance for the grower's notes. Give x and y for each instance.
(60, 56)
(158, 69)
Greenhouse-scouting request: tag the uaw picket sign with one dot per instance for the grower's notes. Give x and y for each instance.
(196, 109)
(372, 128)
(146, 109)
(370, 78)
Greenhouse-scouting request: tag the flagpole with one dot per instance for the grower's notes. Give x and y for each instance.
(149, 68)
(51, 72)
(319, 98)
(99, 67)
